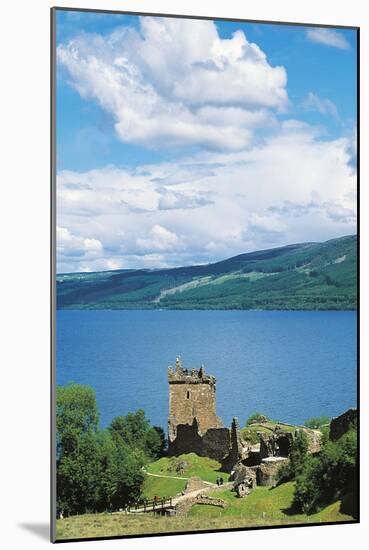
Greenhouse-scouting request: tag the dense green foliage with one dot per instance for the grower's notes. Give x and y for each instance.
(302, 276)
(325, 477)
(100, 470)
(316, 422)
(297, 458)
(329, 476)
(135, 430)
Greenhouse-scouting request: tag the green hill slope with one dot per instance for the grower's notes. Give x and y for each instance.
(301, 276)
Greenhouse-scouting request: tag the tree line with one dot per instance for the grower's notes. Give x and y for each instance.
(100, 469)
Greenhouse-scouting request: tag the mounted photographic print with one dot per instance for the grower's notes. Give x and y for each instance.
(205, 339)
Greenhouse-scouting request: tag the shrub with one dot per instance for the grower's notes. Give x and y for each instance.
(256, 418)
(317, 422)
(297, 459)
(328, 476)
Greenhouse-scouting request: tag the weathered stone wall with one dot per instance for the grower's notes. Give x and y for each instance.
(279, 443)
(211, 501)
(214, 443)
(341, 424)
(266, 473)
(242, 472)
(185, 505)
(314, 438)
(236, 449)
(187, 440)
(253, 457)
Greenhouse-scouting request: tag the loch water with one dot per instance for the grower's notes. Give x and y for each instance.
(289, 365)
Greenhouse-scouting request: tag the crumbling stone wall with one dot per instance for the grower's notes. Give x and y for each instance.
(341, 424)
(314, 438)
(211, 501)
(278, 443)
(185, 505)
(237, 450)
(266, 473)
(186, 440)
(214, 443)
(241, 473)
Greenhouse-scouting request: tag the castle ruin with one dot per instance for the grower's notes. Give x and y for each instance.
(193, 425)
(191, 396)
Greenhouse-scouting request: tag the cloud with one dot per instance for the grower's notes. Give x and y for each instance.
(328, 37)
(76, 248)
(294, 209)
(294, 187)
(175, 200)
(176, 82)
(159, 239)
(333, 210)
(351, 149)
(324, 106)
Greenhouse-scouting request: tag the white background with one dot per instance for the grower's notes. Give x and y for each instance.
(24, 289)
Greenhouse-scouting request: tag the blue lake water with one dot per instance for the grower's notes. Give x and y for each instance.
(289, 365)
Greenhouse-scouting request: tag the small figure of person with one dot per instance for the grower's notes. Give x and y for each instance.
(218, 481)
(221, 481)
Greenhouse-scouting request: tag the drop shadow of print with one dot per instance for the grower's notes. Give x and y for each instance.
(41, 530)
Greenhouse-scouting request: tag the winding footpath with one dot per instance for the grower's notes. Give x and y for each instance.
(182, 498)
(176, 477)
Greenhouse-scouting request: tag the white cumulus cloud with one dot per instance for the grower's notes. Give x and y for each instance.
(176, 82)
(77, 248)
(159, 238)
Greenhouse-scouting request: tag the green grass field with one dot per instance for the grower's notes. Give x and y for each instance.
(272, 504)
(263, 507)
(157, 486)
(203, 467)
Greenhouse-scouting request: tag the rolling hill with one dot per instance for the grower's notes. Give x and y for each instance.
(306, 276)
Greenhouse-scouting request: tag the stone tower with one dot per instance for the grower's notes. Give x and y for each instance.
(191, 400)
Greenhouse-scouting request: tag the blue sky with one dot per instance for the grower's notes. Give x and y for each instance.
(176, 121)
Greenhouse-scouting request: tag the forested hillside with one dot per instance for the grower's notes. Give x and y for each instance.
(302, 276)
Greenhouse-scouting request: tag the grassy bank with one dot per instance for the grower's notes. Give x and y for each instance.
(263, 507)
(272, 504)
(193, 465)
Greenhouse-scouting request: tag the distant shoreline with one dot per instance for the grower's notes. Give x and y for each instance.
(306, 277)
(202, 309)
